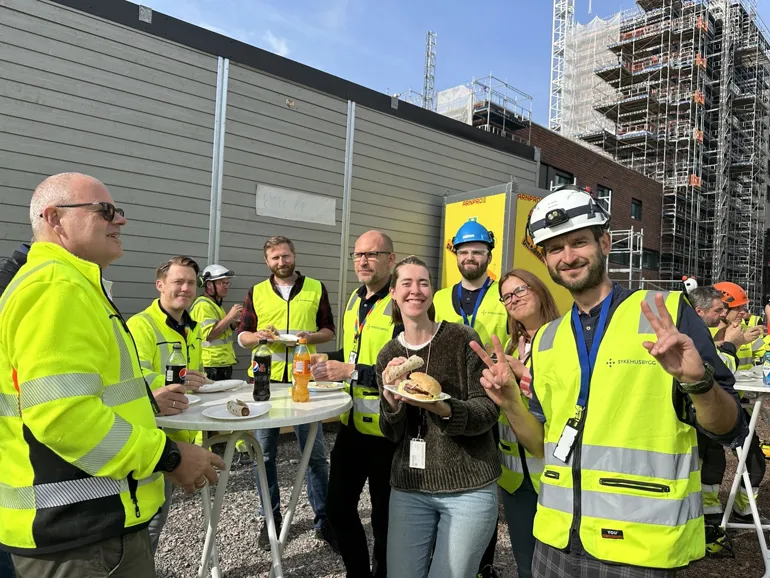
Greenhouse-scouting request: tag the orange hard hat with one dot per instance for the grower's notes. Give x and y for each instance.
(732, 295)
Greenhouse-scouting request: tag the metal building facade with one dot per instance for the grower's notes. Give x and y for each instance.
(183, 124)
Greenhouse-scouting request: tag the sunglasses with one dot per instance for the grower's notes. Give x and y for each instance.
(108, 210)
(519, 292)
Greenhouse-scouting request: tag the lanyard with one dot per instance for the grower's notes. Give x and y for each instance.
(479, 299)
(359, 326)
(588, 360)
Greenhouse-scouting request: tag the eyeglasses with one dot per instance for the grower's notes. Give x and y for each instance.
(370, 255)
(108, 210)
(519, 292)
(223, 282)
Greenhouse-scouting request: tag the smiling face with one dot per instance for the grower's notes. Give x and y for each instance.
(280, 259)
(177, 288)
(576, 260)
(520, 302)
(473, 260)
(84, 231)
(412, 291)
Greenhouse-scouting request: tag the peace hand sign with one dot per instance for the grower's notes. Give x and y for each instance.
(674, 351)
(498, 379)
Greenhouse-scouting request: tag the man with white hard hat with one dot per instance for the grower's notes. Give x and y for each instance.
(620, 386)
(216, 326)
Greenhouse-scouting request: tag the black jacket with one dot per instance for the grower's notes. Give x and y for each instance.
(11, 265)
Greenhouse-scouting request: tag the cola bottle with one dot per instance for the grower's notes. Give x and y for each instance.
(176, 366)
(261, 365)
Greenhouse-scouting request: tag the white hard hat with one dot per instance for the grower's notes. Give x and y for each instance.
(689, 283)
(565, 210)
(215, 272)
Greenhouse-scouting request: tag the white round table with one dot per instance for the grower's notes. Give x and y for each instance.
(753, 384)
(283, 412)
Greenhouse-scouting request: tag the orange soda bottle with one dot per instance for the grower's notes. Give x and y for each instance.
(301, 372)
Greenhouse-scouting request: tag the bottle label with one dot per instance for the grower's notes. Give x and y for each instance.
(175, 374)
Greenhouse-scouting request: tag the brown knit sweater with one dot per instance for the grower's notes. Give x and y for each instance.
(460, 452)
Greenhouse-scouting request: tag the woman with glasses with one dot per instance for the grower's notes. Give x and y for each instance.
(530, 305)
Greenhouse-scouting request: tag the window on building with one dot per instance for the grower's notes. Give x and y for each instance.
(551, 177)
(636, 209)
(650, 259)
(604, 196)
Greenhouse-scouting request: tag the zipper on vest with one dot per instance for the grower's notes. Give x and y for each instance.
(118, 316)
(132, 486)
(634, 485)
(288, 371)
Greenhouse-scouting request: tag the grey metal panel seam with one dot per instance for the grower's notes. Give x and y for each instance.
(216, 176)
(345, 228)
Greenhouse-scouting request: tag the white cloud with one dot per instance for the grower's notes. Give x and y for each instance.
(275, 43)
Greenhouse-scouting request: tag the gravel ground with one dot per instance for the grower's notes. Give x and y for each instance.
(305, 557)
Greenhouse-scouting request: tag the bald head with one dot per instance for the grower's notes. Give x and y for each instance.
(61, 189)
(84, 230)
(377, 259)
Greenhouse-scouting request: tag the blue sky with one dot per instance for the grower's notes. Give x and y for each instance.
(381, 45)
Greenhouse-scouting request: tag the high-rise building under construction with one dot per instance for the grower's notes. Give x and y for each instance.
(680, 91)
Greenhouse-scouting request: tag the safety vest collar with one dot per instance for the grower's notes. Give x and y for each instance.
(42, 251)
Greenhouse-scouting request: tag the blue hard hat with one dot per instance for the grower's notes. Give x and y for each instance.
(473, 232)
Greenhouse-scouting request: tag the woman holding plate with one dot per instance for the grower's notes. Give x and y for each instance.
(445, 465)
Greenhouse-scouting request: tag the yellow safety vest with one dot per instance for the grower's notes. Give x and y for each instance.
(491, 318)
(298, 314)
(377, 331)
(78, 440)
(155, 342)
(510, 455)
(218, 352)
(751, 351)
(636, 466)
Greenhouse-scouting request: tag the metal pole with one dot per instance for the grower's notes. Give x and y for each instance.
(345, 226)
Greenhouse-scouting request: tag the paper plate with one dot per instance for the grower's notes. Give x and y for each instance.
(325, 386)
(222, 385)
(393, 389)
(191, 399)
(220, 411)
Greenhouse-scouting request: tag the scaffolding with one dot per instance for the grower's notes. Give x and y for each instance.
(490, 104)
(685, 102)
(624, 262)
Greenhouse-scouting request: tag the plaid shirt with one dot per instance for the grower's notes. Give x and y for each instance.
(324, 317)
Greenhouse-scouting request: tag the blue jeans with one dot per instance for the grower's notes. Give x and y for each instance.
(6, 565)
(460, 524)
(317, 476)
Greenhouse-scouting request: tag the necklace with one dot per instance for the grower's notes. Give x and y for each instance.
(430, 345)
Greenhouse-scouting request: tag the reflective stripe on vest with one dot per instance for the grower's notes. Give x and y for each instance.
(298, 314)
(491, 319)
(639, 493)
(377, 331)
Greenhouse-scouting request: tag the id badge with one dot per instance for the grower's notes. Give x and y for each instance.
(417, 454)
(352, 358)
(566, 443)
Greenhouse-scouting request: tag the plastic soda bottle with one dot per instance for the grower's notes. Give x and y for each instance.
(301, 372)
(176, 366)
(766, 369)
(261, 365)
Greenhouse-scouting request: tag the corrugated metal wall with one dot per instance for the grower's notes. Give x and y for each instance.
(299, 146)
(138, 112)
(401, 171)
(78, 93)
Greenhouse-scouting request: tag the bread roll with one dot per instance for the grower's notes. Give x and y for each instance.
(395, 372)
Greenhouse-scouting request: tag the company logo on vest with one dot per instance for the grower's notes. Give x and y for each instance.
(611, 363)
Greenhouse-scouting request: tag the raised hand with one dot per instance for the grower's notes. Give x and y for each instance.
(498, 379)
(674, 351)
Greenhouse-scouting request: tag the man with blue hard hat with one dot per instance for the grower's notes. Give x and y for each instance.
(475, 302)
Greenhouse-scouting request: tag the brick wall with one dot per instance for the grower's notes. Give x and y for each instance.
(592, 169)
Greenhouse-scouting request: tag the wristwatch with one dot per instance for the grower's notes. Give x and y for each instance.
(170, 458)
(354, 375)
(701, 386)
